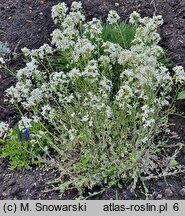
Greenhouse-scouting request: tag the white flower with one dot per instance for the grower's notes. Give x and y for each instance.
(45, 148)
(164, 103)
(22, 72)
(77, 17)
(73, 114)
(4, 127)
(107, 84)
(90, 123)
(58, 12)
(83, 46)
(134, 17)
(93, 29)
(113, 17)
(144, 140)
(35, 119)
(145, 107)
(104, 60)
(179, 74)
(149, 123)
(45, 110)
(91, 70)
(125, 56)
(72, 134)
(19, 92)
(158, 20)
(32, 65)
(129, 73)
(61, 40)
(74, 73)
(85, 118)
(44, 50)
(124, 92)
(76, 6)
(68, 24)
(112, 50)
(24, 123)
(69, 98)
(2, 61)
(26, 51)
(108, 111)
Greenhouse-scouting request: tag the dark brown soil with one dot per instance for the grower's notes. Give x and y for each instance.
(28, 23)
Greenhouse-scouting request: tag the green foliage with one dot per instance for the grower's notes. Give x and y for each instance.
(165, 60)
(173, 163)
(181, 95)
(121, 33)
(24, 153)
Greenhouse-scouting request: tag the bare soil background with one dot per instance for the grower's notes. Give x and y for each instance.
(28, 23)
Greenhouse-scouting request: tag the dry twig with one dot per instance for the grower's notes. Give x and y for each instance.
(154, 5)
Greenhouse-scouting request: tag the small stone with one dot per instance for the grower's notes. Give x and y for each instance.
(42, 2)
(151, 197)
(168, 192)
(160, 183)
(41, 14)
(117, 4)
(182, 192)
(159, 196)
(15, 190)
(173, 3)
(11, 182)
(5, 194)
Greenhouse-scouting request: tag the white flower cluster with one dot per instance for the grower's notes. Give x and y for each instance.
(113, 17)
(134, 17)
(179, 74)
(97, 104)
(24, 123)
(93, 29)
(84, 81)
(59, 12)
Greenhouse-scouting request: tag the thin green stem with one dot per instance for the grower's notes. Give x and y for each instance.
(122, 36)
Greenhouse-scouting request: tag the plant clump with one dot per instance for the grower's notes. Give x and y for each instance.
(97, 102)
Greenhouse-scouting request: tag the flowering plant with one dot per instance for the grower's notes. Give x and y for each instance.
(98, 105)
